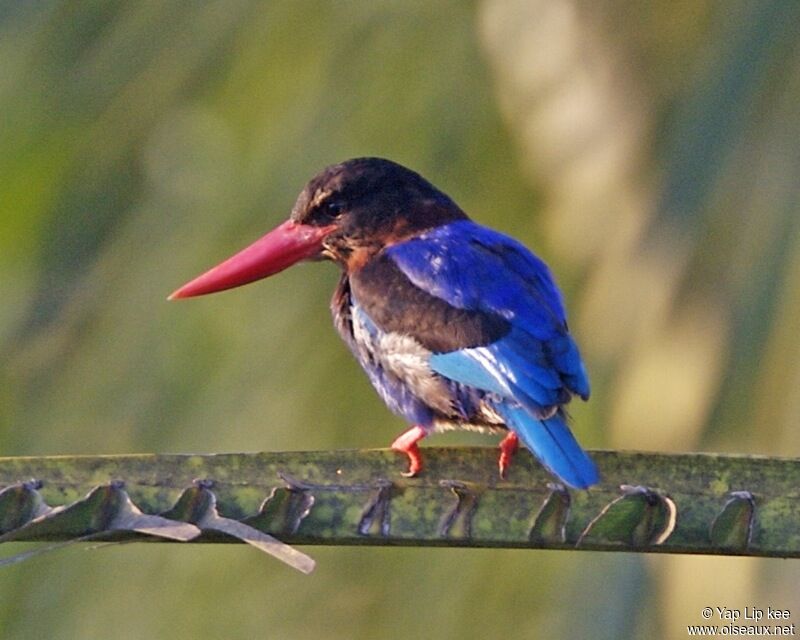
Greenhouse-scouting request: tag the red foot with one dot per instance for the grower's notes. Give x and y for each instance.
(407, 443)
(508, 447)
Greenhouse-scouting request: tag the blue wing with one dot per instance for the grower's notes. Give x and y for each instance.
(472, 267)
(533, 369)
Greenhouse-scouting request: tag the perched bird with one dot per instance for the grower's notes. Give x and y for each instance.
(456, 325)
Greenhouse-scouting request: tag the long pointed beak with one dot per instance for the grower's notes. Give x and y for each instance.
(280, 248)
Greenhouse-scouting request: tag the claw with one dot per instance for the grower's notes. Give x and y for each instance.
(508, 447)
(414, 462)
(407, 443)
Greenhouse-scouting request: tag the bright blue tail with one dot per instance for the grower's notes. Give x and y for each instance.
(553, 444)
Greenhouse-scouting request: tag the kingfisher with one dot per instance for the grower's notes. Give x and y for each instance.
(456, 325)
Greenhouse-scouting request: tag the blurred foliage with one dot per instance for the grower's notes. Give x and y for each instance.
(648, 150)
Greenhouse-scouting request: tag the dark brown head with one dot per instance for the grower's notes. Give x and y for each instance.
(346, 213)
(372, 202)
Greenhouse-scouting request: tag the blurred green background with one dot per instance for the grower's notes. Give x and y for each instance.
(648, 150)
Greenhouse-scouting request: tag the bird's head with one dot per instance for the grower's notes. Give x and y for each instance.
(346, 213)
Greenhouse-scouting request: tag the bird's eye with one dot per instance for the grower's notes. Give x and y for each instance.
(333, 208)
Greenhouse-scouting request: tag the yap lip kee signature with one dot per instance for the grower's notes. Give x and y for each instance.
(747, 613)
